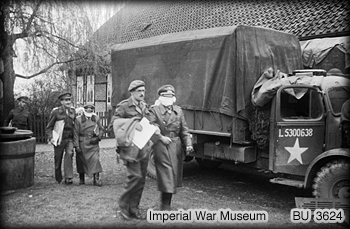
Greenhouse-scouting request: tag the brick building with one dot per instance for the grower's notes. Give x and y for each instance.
(307, 19)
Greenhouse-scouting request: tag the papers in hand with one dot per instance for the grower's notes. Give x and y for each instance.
(142, 137)
(57, 133)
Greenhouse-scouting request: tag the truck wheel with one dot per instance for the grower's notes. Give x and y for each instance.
(151, 168)
(332, 181)
(208, 163)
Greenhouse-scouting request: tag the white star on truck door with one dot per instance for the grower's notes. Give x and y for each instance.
(295, 152)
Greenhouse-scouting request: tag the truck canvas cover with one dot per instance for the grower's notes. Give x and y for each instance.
(211, 69)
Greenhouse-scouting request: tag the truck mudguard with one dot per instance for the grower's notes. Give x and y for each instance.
(321, 160)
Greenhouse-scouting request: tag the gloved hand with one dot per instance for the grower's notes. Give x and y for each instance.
(189, 149)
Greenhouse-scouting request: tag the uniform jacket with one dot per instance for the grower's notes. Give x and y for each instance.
(174, 125)
(60, 113)
(20, 118)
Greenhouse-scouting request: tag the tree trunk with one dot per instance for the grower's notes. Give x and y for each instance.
(8, 77)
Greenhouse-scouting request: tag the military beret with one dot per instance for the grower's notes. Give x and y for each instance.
(64, 95)
(166, 90)
(22, 98)
(91, 105)
(136, 84)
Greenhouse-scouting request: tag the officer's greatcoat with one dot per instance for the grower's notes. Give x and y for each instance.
(169, 158)
(86, 129)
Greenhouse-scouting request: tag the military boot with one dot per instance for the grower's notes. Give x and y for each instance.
(97, 180)
(165, 201)
(81, 178)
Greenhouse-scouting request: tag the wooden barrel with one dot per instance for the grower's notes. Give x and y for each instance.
(17, 153)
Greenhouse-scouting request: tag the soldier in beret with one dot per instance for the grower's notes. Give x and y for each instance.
(20, 116)
(88, 132)
(168, 144)
(67, 113)
(134, 106)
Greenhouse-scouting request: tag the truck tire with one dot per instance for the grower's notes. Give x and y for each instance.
(151, 168)
(332, 181)
(208, 163)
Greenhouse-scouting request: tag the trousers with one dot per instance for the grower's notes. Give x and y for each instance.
(134, 184)
(66, 148)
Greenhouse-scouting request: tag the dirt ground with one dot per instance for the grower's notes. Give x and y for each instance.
(47, 204)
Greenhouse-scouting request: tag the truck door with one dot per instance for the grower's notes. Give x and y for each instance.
(299, 129)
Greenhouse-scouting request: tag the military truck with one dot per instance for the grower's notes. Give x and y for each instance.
(246, 100)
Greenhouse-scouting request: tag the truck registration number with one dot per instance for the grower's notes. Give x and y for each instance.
(295, 133)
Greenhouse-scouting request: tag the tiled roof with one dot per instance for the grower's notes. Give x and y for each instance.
(304, 18)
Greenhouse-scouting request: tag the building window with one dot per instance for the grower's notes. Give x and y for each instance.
(109, 89)
(80, 90)
(90, 89)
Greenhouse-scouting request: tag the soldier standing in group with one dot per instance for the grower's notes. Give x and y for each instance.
(88, 132)
(132, 107)
(20, 116)
(67, 113)
(168, 147)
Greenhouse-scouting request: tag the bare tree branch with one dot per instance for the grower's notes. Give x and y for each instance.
(30, 21)
(48, 68)
(63, 39)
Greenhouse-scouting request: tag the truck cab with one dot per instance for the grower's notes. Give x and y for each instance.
(306, 138)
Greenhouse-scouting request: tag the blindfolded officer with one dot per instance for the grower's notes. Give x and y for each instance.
(20, 116)
(62, 120)
(168, 149)
(87, 134)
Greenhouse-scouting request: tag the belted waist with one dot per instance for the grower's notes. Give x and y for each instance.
(171, 134)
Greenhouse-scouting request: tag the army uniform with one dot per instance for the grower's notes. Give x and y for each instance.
(68, 115)
(136, 170)
(169, 158)
(19, 117)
